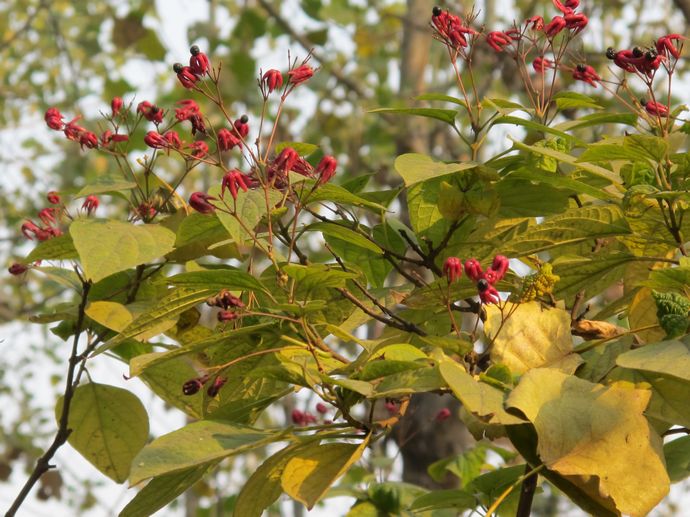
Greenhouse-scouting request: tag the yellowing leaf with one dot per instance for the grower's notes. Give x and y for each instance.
(479, 398)
(532, 336)
(109, 427)
(669, 357)
(112, 315)
(106, 247)
(309, 474)
(596, 436)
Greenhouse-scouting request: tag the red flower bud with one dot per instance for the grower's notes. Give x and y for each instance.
(326, 169)
(498, 40)
(227, 140)
(155, 140)
(231, 181)
(473, 269)
(88, 139)
(116, 105)
(587, 74)
(200, 202)
(53, 118)
(665, 46)
(540, 64)
(487, 292)
(198, 62)
(556, 25)
(298, 418)
(577, 21)
(185, 75)
(72, 130)
(150, 112)
(500, 266)
(199, 149)
(655, 108)
(452, 268)
(187, 108)
(173, 139)
(225, 316)
(198, 125)
(17, 269)
(321, 408)
(536, 23)
(271, 80)
(90, 204)
(53, 197)
(47, 215)
(286, 160)
(214, 388)
(241, 126)
(300, 74)
(442, 415)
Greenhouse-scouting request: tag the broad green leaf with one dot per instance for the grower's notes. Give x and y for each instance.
(178, 301)
(309, 473)
(670, 278)
(595, 435)
(532, 336)
(444, 115)
(336, 194)
(346, 234)
(109, 427)
(263, 487)
(105, 184)
(317, 276)
(426, 218)
(677, 454)
(451, 498)
(634, 148)
(573, 100)
(571, 227)
(195, 227)
(250, 207)
(598, 119)
(373, 265)
(411, 381)
(65, 277)
(166, 381)
(571, 160)
(106, 247)
(217, 279)
(57, 248)
(668, 357)
(440, 97)
(414, 168)
(520, 198)
(196, 444)
(302, 148)
(593, 274)
(164, 489)
(531, 125)
(482, 400)
(556, 180)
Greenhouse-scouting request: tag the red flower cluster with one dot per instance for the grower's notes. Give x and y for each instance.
(200, 202)
(655, 108)
(587, 74)
(451, 29)
(233, 180)
(198, 67)
(644, 62)
(302, 417)
(150, 112)
(77, 133)
(289, 160)
(485, 280)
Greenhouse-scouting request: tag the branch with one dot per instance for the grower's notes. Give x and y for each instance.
(43, 463)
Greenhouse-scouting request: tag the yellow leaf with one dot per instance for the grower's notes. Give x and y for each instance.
(532, 336)
(309, 474)
(112, 315)
(596, 436)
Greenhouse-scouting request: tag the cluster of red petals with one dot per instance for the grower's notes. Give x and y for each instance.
(198, 62)
(541, 64)
(233, 181)
(498, 40)
(450, 28)
(289, 160)
(116, 105)
(150, 112)
(227, 140)
(199, 201)
(586, 74)
(188, 108)
(485, 280)
(90, 204)
(655, 108)
(73, 131)
(642, 61)
(298, 75)
(302, 417)
(271, 80)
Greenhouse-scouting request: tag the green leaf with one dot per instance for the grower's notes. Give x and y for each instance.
(677, 454)
(250, 207)
(595, 435)
(440, 97)
(105, 184)
(601, 172)
(109, 427)
(556, 180)
(151, 46)
(343, 233)
(263, 487)
(593, 274)
(411, 381)
(534, 126)
(217, 279)
(196, 444)
(168, 307)
(668, 357)
(57, 248)
(106, 247)
(414, 168)
(196, 227)
(164, 489)
(302, 148)
(671, 278)
(309, 473)
(573, 100)
(317, 276)
(437, 499)
(571, 227)
(482, 400)
(598, 119)
(444, 115)
(336, 194)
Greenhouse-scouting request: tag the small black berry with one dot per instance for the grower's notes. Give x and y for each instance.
(611, 53)
(637, 52)
(177, 67)
(482, 285)
(581, 68)
(436, 11)
(244, 119)
(194, 50)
